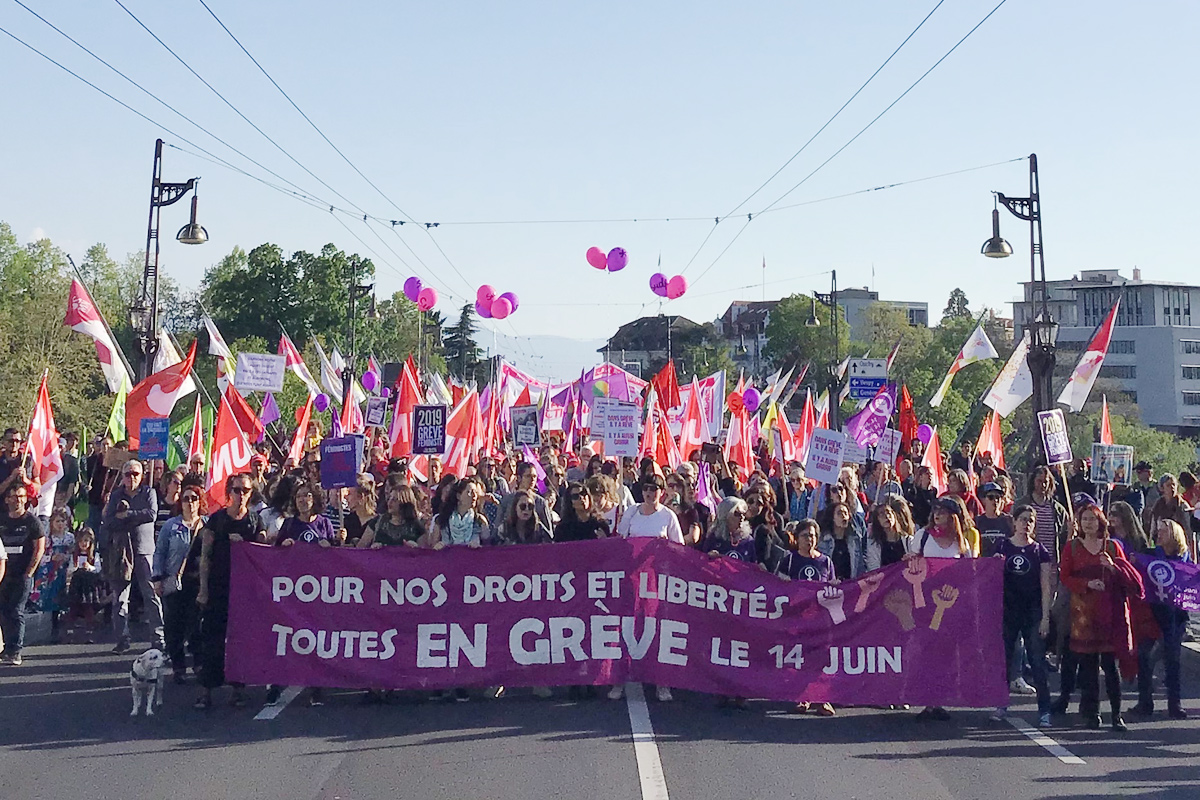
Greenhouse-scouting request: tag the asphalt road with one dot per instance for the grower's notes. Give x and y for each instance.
(65, 733)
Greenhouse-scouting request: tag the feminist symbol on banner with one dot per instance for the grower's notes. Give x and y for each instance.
(1162, 575)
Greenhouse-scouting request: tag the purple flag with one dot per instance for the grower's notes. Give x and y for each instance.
(1169, 580)
(268, 414)
(335, 427)
(529, 456)
(868, 425)
(704, 492)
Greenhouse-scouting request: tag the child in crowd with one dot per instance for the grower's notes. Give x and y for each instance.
(50, 582)
(86, 592)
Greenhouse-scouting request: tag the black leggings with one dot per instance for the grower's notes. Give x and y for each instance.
(1089, 682)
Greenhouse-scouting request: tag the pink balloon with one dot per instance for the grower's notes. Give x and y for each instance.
(596, 257)
(412, 288)
(658, 284)
(501, 307)
(485, 294)
(484, 311)
(512, 298)
(676, 287)
(427, 299)
(617, 259)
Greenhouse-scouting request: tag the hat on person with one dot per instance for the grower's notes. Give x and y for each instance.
(397, 465)
(990, 488)
(950, 504)
(258, 458)
(1082, 500)
(1142, 466)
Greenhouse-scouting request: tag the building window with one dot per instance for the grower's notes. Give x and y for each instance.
(1191, 373)
(1189, 347)
(1125, 372)
(1122, 346)
(1191, 398)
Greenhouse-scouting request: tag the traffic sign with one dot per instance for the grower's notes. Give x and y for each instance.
(867, 368)
(865, 388)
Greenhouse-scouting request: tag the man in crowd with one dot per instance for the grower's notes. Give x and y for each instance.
(22, 540)
(128, 523)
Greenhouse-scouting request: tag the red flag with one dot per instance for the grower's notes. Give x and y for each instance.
(44, 454)
(786, 451)
(990, 440)
(804, 430)
(933, 460)
(408, 396)
(456, 393)
(230, 455)
(83, 317)
(156, 396)
(667, 386)
(243, 414)
(464, 435)
(296, 451)
(737, 443)
(907, 423)
(524, 398)
(1106, 436)
(196, 446)
(693, 431)
(649, 437)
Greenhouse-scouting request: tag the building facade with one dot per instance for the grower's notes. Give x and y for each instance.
(1154, 354)
(854, 302)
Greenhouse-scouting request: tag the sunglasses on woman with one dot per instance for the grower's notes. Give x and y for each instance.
(524, 507)
(578, 495)
(191, 498)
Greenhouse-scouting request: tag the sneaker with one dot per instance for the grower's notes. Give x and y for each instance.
(122, 647)
(1119, 725)
(497, 692)
(273, 695)
(997, 716)
(663, 693)
(825, 710)
(1021, 686)
(15, 661)
(1177, 712)
(1044, 721)
(616, 692)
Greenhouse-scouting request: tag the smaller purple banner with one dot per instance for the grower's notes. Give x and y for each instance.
(1169, 580)
(1054, 436)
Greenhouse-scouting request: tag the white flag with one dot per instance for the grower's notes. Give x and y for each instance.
(977, 348)
(1014, 384)
(168, 356)
(331, 379)
(216, 342)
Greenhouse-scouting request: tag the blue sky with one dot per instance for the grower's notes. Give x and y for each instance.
(470, 112)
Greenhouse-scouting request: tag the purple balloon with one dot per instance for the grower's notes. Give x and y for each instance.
(751, 399)
(617, 259)
(924, 433)
(321, 402)
(412, 288)
(385, 393)
(484, 311)
(511, 297)
(370, 381)
(658, 284)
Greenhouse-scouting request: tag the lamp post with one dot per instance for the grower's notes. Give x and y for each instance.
(835, 380)
(356, 293)
(1043, 329)
(143, 314)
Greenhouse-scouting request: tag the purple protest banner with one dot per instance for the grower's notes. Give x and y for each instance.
(603, 612)
(1169, 580)
(868, 425)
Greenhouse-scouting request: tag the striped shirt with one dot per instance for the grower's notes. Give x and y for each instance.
(1043, 529)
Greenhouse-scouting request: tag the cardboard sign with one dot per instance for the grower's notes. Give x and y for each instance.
(259, 372)
(524, 421)
(341, 461)
(826, 451)
(376, 411)
(115, 457)
(889, 446)
(153, 433)
(1112, 463)
(1054, 436)
(429, 430)
(621, 421)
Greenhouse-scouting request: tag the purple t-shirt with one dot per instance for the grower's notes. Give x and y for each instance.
(806, 568)
(296, 529)
(1023, 575)
(742, 551)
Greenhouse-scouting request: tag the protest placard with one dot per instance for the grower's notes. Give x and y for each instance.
(429, 430)
(1112, 464)
(889, 446)
(341, 461)
(524, 420)
(825, 454)
(1054, 436)
(153, 433)
(376, 410)
(621, 421)
(259, 372)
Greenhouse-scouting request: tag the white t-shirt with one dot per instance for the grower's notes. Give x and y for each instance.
(662, 524)
(934, 550)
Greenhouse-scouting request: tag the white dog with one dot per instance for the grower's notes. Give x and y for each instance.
(147, 679)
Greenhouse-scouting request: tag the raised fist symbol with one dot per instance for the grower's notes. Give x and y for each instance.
(867, 584)
(831, 598)
(915, 571)
(900, 604)
(943, 598)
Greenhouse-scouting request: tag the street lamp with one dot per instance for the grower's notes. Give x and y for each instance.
(1043, 328)
(143, 314)
(835, 380)
(357, 292)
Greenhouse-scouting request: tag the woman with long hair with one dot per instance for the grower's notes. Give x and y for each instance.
(361, 503)
(769, 543)
(892, 533)
(459, 522)
(581, 521)
(730, 535)
(1101, 581)
(1171, 547)
(606, 500)
(400, 525)
(521, 524)
(958, 485)
(307, 524)
(842, 542)
(1125, 527)
(440, 493)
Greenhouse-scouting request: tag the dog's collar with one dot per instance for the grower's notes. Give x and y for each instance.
(133, 674)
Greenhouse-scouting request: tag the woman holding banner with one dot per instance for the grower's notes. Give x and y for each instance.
(1101, 580)
(521, 524)
(1172, 621)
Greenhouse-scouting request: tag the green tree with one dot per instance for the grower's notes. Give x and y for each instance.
(956, 306)
(462, 353)
(791, 341)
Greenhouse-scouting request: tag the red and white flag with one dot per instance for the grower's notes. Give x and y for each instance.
(464, 435)
(296, 451)
(1079, 385)
(1106, 436)
(804, 429)
(45, 457)
(933, 460)
(156, 396)
(231, 453)
(990, 440)
(977, 348)
(408, 397)
(196, 446)
(737, 443)
(296, 364)
(83, 317)
(693, 432)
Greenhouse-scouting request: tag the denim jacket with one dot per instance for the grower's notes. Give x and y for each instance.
(855, 540)
(170, 552)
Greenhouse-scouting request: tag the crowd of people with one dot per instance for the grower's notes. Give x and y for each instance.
(128, 539)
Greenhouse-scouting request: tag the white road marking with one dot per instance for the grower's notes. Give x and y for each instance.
(290, 693)
(650, 771)
(1052, 747)
(1192, 646)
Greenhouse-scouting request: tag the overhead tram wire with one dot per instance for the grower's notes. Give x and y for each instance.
(854, 138)
(811, 139)
(336, 149)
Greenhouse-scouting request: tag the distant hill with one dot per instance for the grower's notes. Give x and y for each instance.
(557, 359)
